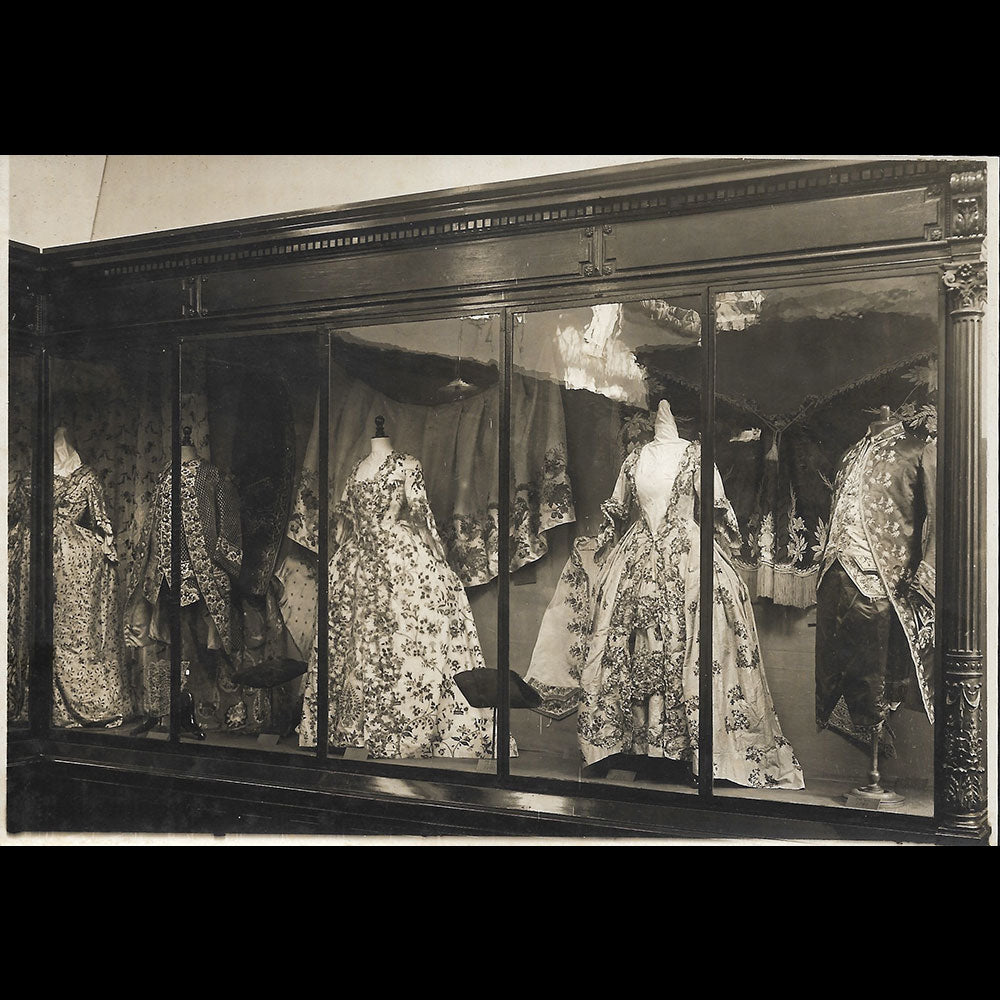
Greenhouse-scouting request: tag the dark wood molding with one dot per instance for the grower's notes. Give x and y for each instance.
(105, 786)
(25, 285)
(657, 191)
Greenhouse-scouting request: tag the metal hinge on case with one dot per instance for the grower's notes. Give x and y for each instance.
(193, 306)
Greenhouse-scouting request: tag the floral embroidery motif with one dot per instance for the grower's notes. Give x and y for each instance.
(889, 480)
(214, 582)
(796, 532)
(572, 612)
(89, 685)
(400, 628)
(640, 683)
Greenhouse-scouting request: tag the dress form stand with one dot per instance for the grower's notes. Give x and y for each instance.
(188, 721)
(873, 795)
(381, 448)
(479, 688)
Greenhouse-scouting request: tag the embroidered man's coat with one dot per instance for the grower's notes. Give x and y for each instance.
(211, 542)
(898, 518)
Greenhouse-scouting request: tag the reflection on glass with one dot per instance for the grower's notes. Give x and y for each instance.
(826, 441)
(112, 433)
(605, 606)
(20, 424)
(413, 496)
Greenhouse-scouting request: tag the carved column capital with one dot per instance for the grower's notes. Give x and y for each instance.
(966, 286)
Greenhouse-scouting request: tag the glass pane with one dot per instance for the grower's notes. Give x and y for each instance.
(826, 440)
(413, 493)
(111, 417)
(605, 450)
(21, 395)
(245, 601)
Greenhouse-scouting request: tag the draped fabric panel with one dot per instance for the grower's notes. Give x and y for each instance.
(457, 445)
(781, 483)
(778, 471)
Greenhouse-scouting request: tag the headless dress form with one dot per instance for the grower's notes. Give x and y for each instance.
(859, 640)
(640, 685)
(381, 448)
(400, 627)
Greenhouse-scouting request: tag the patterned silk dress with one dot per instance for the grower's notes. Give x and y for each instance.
(89, 686)
(400, 628)
(640, 679)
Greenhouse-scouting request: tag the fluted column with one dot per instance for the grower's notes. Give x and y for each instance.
(960, 778)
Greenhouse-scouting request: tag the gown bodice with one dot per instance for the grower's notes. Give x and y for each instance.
(654, 475)
(379, 503)
(79, 499)
(394, 499)
(69, 495)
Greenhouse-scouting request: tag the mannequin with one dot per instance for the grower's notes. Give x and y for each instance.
(65, 458)
(189, 724)
(211, 557)
(884, 421)
(89, 688)
(874, 790)
(639, 685)
(188, 451)
(875, 598)
(400, 627)
(380, 451)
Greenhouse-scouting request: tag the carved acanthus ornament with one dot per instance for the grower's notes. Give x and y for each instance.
(966, 287)
(968, 192)
(964, 745)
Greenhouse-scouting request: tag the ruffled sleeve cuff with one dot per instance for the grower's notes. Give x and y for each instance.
(726, 526)
(613, 512)
(108, 547)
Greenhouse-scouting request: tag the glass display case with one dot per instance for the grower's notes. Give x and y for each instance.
(615, 549)
(521, 517)
(109, 407)
(826, 439)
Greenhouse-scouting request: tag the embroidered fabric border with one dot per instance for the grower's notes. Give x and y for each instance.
(214, 591)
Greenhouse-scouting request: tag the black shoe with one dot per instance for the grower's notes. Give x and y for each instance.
(189, 724)
(150, 722)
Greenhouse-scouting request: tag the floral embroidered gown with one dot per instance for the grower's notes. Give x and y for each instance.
(400, 628)
(89, 685)
(640, 679)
